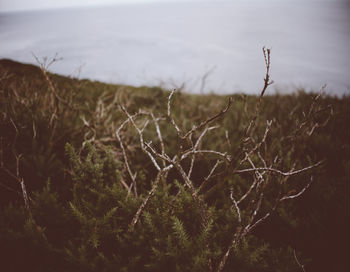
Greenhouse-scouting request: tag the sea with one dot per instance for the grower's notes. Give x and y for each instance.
(202, 47)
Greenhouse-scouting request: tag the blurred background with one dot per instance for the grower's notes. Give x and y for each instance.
(210, 46)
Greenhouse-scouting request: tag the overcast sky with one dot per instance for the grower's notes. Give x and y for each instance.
(13, 5)
(17, 5)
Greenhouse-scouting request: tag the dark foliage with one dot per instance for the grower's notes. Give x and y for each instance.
(58, 136)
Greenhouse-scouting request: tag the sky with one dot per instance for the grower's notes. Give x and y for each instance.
(17, 5)
(21, 5)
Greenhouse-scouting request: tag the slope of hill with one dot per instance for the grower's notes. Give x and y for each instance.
(80, 189)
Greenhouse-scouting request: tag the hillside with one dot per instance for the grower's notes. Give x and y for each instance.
(101, 177)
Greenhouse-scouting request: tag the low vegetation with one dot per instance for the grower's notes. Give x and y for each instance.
(100, 177)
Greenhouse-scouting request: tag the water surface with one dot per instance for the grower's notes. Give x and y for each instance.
(179, 43)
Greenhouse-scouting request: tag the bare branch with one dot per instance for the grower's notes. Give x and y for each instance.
(209, 175)
(196, 146)
(220, 154)
(267, 82)
(233, 243)
(204, 78)
(10, 189)
(257, 173)
(251, 226)
(155, 121)
(141, 138)
(164, 157)
(258, 145)
(169, 114)
(17, 177)
(298, 262)
(25, 195)
(17, 131)
(227, 139)
(278, 200)
(145, 201)
(34, 130)
(248, 192)
(253, 215)
(235, 204)
(290, 173)
(132, 176)
(262, 159)
(210, 119)
(287, 197)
